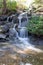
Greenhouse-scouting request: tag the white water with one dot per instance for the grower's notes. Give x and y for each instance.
(28, 45)
(23, 36)
(23, 32)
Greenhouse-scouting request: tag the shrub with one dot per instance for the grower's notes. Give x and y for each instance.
(11, 5)
(35, 25)
(1, 5)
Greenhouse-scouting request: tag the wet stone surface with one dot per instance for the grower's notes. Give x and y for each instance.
(10, 56)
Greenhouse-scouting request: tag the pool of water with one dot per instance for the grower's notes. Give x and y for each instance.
(15, 53)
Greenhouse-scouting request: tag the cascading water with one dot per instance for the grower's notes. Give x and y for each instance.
(13, 33)
(23, 32)
(19, 21)
(22, 35)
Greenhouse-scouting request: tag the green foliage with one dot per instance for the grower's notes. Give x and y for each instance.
(11, 5)
(38, 1)
(35, 25)
(1, 4)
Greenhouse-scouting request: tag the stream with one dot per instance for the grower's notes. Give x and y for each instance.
(21, 49)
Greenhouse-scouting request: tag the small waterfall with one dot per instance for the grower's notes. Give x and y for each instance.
(23, 32)
(23, 19)
(22, 35)
(7, 19)
(13, 33)
(20, 17)
(16, 33)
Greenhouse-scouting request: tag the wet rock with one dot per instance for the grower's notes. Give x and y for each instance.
(12, 33)
(5, 28)
(15, 20)
(2, 36)
(23, 55)
(1, 53)
(23, 19)
(3, 18)
(9, 19)
(2, 22)
(21, 63)
(28, 64)
(10, 24)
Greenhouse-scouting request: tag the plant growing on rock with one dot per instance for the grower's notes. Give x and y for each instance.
(35, 25)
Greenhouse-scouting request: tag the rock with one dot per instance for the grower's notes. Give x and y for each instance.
(15, 20)
(5, 28)
(23, 19)
(21, 63)
(9, 19)
(28, 64)
(2, 22)
(0, 29)
(13, 33)
(10, 24)
(3, 18)
(1, 52)
(2, 36)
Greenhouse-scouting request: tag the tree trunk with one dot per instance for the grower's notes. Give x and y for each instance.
(4, 6)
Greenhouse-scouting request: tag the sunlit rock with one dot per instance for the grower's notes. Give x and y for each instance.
(28, 64)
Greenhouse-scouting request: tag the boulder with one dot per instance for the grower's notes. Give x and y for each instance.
(3, 18)
(5, 28)
(2, 22)
(13, 33)
(23, 19)
(9, 19)
(2, 36)
(15, 20)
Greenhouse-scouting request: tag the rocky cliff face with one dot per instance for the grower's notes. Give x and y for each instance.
(7, 22)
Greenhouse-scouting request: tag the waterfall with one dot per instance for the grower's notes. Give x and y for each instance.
(16, 33)
(23, 19)
(20, 17)
(23, 32)
(13, 33)
(22, 35)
